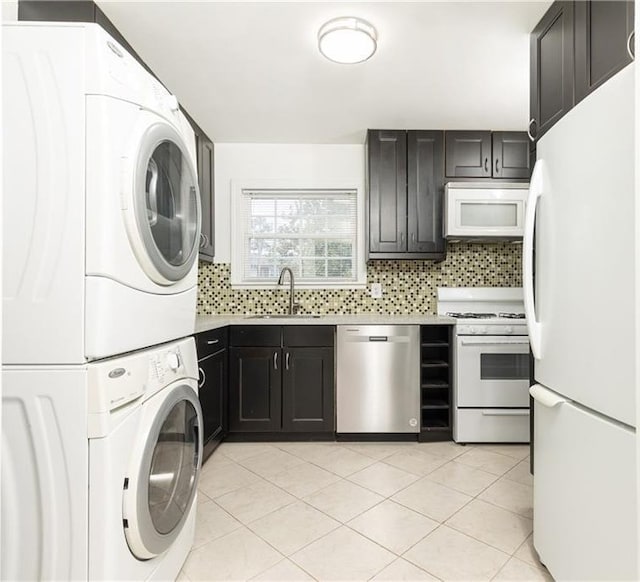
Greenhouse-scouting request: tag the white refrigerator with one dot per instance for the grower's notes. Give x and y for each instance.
(579, 298)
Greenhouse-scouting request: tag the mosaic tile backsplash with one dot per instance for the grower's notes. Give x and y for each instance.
(408, 287)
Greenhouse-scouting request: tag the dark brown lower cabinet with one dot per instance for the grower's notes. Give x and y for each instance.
(255, 389)
(213, 398)
(307, 390)
(286, 384)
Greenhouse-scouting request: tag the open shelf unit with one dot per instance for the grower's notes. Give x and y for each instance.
(436, 379)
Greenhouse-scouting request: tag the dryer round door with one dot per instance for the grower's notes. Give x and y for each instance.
(162, 483)
(163, 219)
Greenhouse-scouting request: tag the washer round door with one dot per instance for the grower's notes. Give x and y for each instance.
(160, 491)
(164, 215)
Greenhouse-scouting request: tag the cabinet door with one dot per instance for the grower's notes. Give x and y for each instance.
(603, 44)
(551, 68)
(425, 191)
(387, 211)
(308, 390)
(205, 182)
(468, 154)
(510, 154)
(213, 398)
(255, 389)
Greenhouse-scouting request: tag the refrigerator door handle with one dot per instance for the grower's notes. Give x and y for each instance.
(545, 397)
(535, 191)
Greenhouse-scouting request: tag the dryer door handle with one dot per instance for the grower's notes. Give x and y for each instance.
(152, 193)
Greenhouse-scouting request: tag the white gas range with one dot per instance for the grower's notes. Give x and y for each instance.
(491, 373)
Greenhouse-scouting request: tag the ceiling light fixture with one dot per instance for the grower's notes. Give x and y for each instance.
(347, 40)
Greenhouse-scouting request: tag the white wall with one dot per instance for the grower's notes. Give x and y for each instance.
(304, 163)
(9, 9)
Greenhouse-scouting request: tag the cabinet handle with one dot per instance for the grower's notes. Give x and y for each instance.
(286, 361)
(212, 342)
(413, 237)
(402, 238)
(202, 378)
(531, 122)
(486, 165)
(630, 45)
(204, 240)
(497, 166)
(275, 360)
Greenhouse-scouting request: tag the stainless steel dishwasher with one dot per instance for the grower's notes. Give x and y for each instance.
(378, 379)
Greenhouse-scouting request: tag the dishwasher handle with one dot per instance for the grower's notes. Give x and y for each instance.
(378, 338)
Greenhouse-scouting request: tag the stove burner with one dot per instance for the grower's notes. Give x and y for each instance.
(469, 315)
(512, 315)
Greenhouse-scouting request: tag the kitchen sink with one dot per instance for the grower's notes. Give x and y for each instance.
(284, 316)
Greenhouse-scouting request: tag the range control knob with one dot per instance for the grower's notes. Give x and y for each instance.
(473, 331)
(173, 361)
(508, 329)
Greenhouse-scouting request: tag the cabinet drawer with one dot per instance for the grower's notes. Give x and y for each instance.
(308, 336)
(212, 341)
(491, 425)
(256, 335)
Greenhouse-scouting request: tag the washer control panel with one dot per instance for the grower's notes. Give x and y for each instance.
(119, 381)
(163, 366)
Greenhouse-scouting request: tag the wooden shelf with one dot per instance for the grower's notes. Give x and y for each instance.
(435, 396)
(435, 364)
(434, 384)
(436, 426)
(435, 405)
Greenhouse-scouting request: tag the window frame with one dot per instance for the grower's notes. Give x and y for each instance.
(238, 230)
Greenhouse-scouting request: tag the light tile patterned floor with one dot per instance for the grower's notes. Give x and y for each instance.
(358, 511)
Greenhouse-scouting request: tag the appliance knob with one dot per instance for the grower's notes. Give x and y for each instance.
(171, 101)
(173, 361)
(508, 329)
(473, 331)
(483, 330)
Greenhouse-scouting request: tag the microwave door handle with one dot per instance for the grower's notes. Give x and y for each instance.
(536, 188)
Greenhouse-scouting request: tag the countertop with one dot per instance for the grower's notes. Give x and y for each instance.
(209, 322)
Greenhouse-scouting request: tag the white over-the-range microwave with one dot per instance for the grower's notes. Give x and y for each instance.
(489, 210)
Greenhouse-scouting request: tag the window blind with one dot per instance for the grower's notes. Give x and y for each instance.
(313, 232)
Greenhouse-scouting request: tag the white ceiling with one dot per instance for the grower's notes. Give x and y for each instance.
(251, 72)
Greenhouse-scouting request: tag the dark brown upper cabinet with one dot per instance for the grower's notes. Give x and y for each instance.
(405, 173)
(468, 154)
(575, 48)
(387, 165)
(204, 148)
(603, 40)
(552, 58)
(486, 154)
(425, 192)
(511, 154)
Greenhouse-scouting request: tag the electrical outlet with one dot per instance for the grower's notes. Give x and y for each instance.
(376, 290)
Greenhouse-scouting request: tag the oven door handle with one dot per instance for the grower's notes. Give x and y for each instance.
(536, 188)
(492, 342)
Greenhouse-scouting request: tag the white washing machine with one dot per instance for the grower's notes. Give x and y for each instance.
(100, 467)
(101, 214)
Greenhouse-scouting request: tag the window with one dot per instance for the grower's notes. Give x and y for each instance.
(313, 232)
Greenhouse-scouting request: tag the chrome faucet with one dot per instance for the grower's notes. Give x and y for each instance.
(293, 306)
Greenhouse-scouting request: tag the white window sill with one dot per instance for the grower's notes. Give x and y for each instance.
(301, 286)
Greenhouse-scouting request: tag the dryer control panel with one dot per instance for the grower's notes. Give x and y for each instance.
(132, 379)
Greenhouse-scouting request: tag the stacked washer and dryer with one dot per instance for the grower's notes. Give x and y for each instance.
(101, 428)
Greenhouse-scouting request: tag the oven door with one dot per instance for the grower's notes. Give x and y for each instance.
(492, 371)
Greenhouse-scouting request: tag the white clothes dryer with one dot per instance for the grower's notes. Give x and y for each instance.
(100, 468)
(101, 205)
